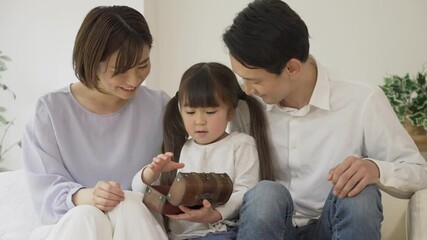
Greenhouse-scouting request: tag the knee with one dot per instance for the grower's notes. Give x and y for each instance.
(268, 190)
(83, 220)
(366, 205)
(266, 199)
(86, 210)
(133, 200)
(86, 213)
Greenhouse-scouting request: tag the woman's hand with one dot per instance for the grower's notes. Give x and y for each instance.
(105, 195)
(161, 163)
(206, 214)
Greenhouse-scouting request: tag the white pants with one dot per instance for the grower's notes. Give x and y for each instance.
(131, 219)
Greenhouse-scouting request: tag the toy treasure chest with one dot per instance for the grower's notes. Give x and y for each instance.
(189, 189)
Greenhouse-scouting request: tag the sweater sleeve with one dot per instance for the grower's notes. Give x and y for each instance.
(50, 183)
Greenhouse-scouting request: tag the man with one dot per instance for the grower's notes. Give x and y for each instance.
(334, 141)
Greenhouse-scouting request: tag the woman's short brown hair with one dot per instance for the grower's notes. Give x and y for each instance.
(105, 30)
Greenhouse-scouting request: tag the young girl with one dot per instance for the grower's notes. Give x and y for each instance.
(88, 139)
(196, 140)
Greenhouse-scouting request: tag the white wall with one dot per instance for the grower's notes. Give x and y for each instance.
(364, 39)
(39, 37)
(186, 32)
(367, 39)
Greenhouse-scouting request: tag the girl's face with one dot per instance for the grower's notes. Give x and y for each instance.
(206, 124)
(123, 86)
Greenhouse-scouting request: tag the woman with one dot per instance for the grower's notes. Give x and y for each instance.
(87, 140)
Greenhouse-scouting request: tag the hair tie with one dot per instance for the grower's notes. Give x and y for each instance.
(242, 96)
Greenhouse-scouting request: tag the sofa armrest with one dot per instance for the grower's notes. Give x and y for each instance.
(395, 192)
(417, 216)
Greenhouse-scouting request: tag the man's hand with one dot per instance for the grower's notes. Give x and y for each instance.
(206, 214)
(351, 176)
(105, 195)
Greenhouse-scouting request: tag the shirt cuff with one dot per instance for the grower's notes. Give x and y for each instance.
(384, 169)
(385, 182)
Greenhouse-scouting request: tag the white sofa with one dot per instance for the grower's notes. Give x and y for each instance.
(405, 219)
(417, 216)
(18, 218)
(405, 215)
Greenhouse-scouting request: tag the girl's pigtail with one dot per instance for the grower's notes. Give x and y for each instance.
(174, 135)
(259, 131)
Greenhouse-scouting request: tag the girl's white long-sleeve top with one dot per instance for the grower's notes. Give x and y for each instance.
(235, 155)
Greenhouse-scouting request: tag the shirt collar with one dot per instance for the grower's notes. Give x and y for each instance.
(320, 97)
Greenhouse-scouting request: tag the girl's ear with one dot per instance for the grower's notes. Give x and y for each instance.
(231, 113)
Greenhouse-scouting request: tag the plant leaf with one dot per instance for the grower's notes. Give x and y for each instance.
(421, 78)
(425, 124)
(2, 66)
(417, 118)
(3, 120)
(6, 58)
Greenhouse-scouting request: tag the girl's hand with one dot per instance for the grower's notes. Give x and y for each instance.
(161, 163)
(206, 214)
(164, 163)
(105, 195)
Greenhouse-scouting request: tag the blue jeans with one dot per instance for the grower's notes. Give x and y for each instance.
(231, 234)
(267, 211)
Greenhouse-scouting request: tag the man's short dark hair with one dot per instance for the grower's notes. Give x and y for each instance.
(267, 34)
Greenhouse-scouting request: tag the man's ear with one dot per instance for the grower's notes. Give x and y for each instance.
(292, 67)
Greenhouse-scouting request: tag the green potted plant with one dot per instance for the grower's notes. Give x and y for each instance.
(408, 97)
(4, 123)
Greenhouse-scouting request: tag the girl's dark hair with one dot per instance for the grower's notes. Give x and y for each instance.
(267, 34)
(105, 30)
(201, 85)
